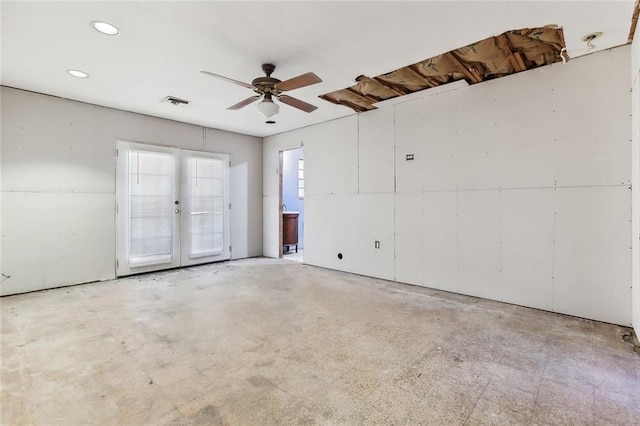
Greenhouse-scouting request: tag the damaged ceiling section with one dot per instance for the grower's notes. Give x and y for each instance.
(494, 57)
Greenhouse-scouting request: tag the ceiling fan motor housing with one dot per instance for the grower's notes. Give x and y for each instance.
(264, 85)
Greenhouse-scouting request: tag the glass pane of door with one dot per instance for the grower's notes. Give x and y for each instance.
(206, 191)
(151, 208)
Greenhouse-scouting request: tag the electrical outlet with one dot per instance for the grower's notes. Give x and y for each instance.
(377, 244)
(409, 157)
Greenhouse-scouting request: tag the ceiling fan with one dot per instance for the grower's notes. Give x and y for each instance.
(269, 88)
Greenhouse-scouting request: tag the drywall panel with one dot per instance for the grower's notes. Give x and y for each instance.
(55, 239)
(49, 144)
(409, 223)
(375, 151)
(331, 158)
(635, 58)
(602, 304)
(153, 130)
(528, 219)
(479, 243)
(592, 130)
(328, 232)
(331, 231)
(410, 140)
(376, 225)
(271, 226)
(447, 135)
(477, 139)
(525, 137)
(440, 230)
(433, 164)
(592, 264)
(246, 196)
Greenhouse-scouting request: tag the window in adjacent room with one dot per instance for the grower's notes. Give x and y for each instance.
(300, 178)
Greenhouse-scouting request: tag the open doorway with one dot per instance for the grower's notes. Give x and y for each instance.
(292, 204)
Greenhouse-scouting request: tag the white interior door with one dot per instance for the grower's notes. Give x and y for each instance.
(172, 208)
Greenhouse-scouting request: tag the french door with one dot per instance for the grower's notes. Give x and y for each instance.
(172, 208)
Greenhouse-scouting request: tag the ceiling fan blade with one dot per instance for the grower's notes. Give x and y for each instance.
(297, 82)
(244, 103)
(230, 80)
(297, 103)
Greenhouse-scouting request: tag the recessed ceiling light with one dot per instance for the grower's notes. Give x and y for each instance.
(105, 28)
(79, 74)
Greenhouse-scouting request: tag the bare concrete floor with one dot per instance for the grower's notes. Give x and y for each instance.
(266, 341)
(292, 255)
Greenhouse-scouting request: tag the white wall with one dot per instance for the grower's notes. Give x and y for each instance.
(246, 188)
(635, 177)
(519, 190)
(58, 186)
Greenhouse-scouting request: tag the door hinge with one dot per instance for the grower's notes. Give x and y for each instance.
(229, 249)
(117, 208)
(117, 152)
(117, 263)
(229, 206)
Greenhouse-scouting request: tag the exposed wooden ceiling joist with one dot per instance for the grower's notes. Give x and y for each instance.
(398, 90)
(364, 97)
(469, 72)
(419, 76)
(353, 106)
(518, 65)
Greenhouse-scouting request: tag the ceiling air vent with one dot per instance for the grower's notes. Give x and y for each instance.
(175, 101)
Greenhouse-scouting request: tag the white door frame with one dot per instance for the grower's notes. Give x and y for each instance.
(280, 193)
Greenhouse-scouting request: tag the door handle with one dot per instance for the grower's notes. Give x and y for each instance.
(177, 210)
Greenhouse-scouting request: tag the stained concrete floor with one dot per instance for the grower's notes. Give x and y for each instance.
(277, 342)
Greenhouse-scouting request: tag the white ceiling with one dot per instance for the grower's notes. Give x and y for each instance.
(164, 45)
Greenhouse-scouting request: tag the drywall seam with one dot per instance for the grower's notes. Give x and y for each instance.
(553, 258)
(395, 246)
(499, 188)
(358, 154)
(500, 248)
(457, 242)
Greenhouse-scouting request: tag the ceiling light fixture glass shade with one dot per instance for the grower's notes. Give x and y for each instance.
(267, 107)
(77, 73)
(105, 28)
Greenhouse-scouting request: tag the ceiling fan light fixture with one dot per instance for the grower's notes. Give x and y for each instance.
(268, 108)
(105, 28)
